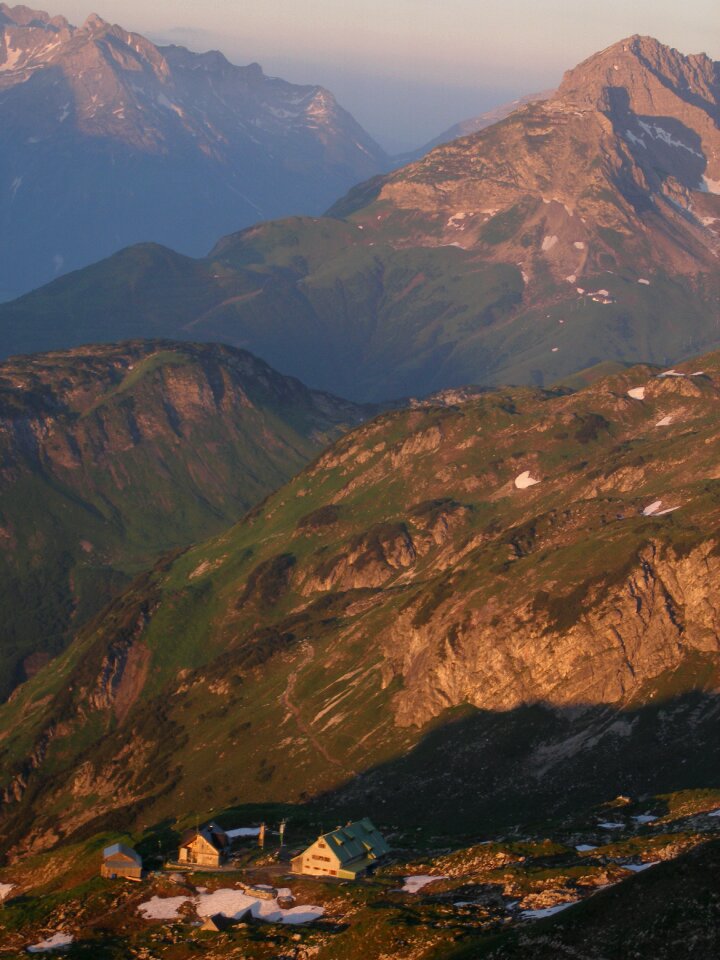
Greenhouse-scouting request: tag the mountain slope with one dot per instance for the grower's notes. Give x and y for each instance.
(125, 142)
(578, 230)
(110, 456)
(502, 603)
(472, 125)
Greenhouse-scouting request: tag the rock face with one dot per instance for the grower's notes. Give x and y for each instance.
(107, 140)
(404, 619)
(110, 456)
(581, 229)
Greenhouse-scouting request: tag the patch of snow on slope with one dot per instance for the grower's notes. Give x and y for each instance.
(710, 186)
(59, 941)
(548, 243)
(652, 508)
(525, 480)
(579, 245)
(162, 908)
(633, 139)
(645, 282)
(230, 903)
(584, 848)
(639, 867)
(645, 818)
(413, 884)
(12, 59)
(665, 422)
(243, 832)
(609, 825)
(659, 133)
(5, 889)
(547, 911)
(637, 393)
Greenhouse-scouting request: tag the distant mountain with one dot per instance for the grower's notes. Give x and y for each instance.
(107, 140)
(505, 604)
(582, 229)
(472, 125)
(110, 456)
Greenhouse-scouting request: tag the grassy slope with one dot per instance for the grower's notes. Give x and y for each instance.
(289, 684)
(367, 314)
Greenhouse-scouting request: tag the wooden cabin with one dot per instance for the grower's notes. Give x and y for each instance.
(121, 861)
(349, 852)
(206, 847)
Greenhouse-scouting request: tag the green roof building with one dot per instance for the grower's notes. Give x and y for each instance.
(347, 853)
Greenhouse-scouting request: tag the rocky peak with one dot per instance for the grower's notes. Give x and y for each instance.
(95, 24)
(650, 73)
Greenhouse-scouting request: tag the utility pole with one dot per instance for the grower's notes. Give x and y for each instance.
(283, 824)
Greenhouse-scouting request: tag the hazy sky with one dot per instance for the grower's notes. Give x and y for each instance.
(407, 69)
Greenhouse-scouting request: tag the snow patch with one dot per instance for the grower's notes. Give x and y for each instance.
(59, 941)
(230, 903)
(633, 139)
(555, 349)
(5, 889)
(644, 281)
(572, 278)
(547, 911)
(645, 818)
(162, 908)
(637, 393)
(579, 245)
(13, 57)
(243, 832)
(413, 884)
(639, 867)
(665, 422)
(710, 186)
(525, 480)
(653, 509)
(659, 133)
(584, 848)
(609, 825)
(548, 243)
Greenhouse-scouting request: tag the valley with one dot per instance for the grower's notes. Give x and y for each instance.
(111, 456)
(399, 509)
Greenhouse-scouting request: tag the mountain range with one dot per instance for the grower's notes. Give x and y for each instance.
(111, 456)
(503, 601)
(126, 141)
(582, 228)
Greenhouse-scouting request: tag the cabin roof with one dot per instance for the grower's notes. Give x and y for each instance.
(359, 839)
(120, 850)
(214, 835)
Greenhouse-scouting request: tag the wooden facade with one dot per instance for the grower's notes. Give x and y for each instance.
(206, 847)
(121, 861)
